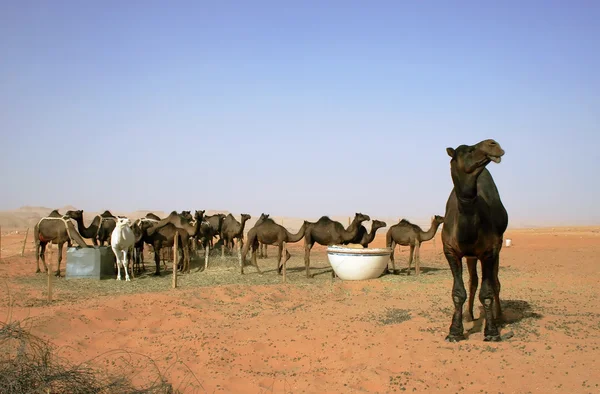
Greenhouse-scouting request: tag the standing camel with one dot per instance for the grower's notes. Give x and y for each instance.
(180, 222)
(107, 224)
(474, 228)
(57, 230)
(163, 237)
(231, 230)
(262, 249)
(363, 237)
(405, 233)
(90, 232)
(138, 247)
(216, 224)
(329, 232)
(122, 241)
(268, 232)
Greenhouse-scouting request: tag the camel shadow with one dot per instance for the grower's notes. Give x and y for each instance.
(513, 311)
(424, 270)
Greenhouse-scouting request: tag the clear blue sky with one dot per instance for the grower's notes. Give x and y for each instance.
(305, 109)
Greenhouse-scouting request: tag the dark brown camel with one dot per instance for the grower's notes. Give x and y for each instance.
(329, 232)
(474, 228)
(90, 232)
(406, 233)
(363, 237)
(216, 224)
(269, 233)
(231, 230)
(108, 222)
(57, 230)
(181, 222)
(262, 249)
(187, 215)
(164, 236)
(205, 235)
(138, 247)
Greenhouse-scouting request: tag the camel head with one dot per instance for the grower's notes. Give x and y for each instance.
(121, 222)
(75, 215)
(473, 158)
(361, 217)
(437, 219)
(245, 217)
(262, 218)
(378, 224)
(187, 215)
(199, 216)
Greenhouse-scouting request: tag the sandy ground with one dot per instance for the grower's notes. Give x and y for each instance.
(220, 332)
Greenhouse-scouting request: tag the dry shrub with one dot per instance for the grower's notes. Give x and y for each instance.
(29, 364)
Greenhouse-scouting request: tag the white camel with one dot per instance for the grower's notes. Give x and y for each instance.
(122, 241)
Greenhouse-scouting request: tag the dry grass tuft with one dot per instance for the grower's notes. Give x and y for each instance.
(29, 364)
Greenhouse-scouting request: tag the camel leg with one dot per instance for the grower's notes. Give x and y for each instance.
(118, 256)
(130, 258)
(287, 257)
(473, 283)
(410, 258)
(125, 262)
(265, 253)
(43, 257)
(392, 258)
(486, 296)
(459, 296)
(279, 253)
(307, 247)
(60, 250)
(497, 306)
(254, 263)
(157, 261)
(223, 250)
(186, 256)
(417, 257)
(37, 257)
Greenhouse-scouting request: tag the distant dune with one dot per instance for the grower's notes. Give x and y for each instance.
(28, 216)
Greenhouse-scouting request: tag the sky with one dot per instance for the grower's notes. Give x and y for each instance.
(301, 109)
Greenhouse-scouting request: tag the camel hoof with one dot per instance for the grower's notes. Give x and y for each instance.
(492, 338)
(157, 274)
(57, 274)
(38, 271)
(118, 278)
(455, 338)
(127, 280)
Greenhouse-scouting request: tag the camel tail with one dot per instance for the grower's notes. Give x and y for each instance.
(75, 236)
(249, 241)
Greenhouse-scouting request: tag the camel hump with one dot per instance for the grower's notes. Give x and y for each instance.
(107, 214)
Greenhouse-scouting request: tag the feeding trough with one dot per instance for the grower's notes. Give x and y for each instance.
(358, 264)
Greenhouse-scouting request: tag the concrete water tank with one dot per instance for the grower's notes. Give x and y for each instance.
(97, 262)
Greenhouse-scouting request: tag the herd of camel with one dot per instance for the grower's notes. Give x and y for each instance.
(474, 224)
(197, 230)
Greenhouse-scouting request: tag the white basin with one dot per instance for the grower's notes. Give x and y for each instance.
(358, 264)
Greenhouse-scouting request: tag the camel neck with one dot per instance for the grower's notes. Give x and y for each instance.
(429, 234)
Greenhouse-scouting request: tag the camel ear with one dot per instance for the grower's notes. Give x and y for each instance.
(450, 152)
